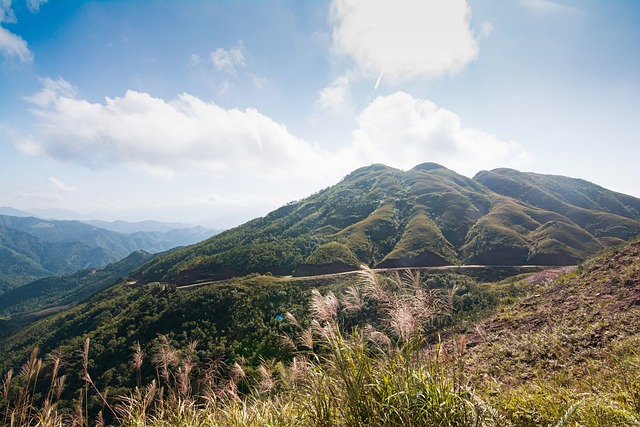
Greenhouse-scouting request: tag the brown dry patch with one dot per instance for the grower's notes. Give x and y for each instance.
(566, 325)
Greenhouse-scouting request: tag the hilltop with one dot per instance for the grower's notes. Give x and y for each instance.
(427, 216)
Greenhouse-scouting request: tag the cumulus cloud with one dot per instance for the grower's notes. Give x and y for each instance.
(165, 137)
(14, 47)
(404, 39)
(228, 60)
(402, 131)
(186, 134)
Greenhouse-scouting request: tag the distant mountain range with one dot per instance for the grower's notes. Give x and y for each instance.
(33, 248)
(427, 216)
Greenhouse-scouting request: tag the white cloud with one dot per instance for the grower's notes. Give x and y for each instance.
(14, 46)
(187, 136)
(51, 92)
(228, 60)
(224, 88)
(167, 137)
(6, 13)
(61, 185)
(401, 131)
(405, 38)
(258, 82)
(194, 60)
(336, 96)
(34, 5)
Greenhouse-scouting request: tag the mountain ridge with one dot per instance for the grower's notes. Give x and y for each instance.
(429, 215)
(33, 248)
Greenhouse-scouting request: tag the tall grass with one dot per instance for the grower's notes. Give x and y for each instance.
(382, 370)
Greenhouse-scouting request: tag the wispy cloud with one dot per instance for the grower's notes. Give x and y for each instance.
(6, 13)
(14, 47)
(228, 60)
(548, 6)
(34, 5)
(52, 91)
(61, 185)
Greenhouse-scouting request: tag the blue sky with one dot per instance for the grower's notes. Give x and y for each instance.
(215, 112)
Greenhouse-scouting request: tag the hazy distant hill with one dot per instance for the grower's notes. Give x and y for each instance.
(32, 248)
(7, 210)
(426, 216)
(133, 227)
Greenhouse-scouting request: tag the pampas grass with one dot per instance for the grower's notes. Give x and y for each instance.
(384, 371)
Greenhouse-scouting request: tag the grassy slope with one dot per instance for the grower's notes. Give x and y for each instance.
(556, 352)
(573, 339)
(429, 215)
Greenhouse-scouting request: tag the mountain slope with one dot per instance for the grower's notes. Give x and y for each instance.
(32, 248)
(427, 216)
(572, 339)
(599, 211)
(59, 291)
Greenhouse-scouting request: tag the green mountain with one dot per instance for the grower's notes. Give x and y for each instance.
(427, 216)
(55, 293)
(32, 248)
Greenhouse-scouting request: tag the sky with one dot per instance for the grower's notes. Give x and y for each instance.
(214, 112)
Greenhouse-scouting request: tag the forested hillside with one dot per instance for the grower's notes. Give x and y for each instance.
(429, 215)
(409, 348)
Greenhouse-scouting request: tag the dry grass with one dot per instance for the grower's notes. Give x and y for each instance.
(529, 365)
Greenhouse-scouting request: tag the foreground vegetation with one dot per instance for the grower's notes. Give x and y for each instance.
(565, 354)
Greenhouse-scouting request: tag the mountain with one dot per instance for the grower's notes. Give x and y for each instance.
(128, 227)
(45, 296)
(32, 248)
(427, 216)
(530, 351)
(7, 210)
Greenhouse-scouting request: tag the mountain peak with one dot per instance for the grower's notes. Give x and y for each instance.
(427, 166)
(376, 167)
